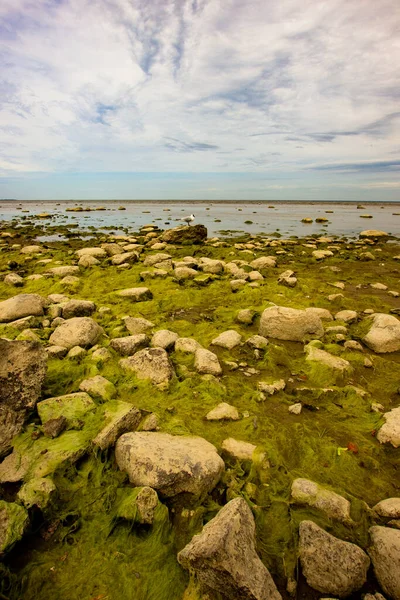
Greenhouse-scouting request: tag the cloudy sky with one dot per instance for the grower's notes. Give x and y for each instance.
(213, 99)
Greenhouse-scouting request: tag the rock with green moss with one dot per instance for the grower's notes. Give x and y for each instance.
(306, 492)
(39, 492)
(99, 388)
(224, 556)
(70, 406)
(330, 565)
(14, 521)
(170, 464)
(120, 417)
(290, 324)
(78, 331)
(138, 505)
(322, 357)
(22, 372)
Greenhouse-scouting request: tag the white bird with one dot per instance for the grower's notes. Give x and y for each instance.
(188, 219)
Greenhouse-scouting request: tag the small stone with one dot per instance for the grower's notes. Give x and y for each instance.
(53, 427)
(258, 342)
(228, 339)
(101, 355)
(207, 362)
(13, 279)
(136, 325)
(295, 409)
(246, 316)
(164, 339)
(353, 345)
(150, 423)
(76, 353)
(37, 492)
(188, 345)
(139, 294)
(348, 316)
(99, 388)
(120, 417)
(223, 411)
(56, 351)
(237, 284)
(127, 346)
(238, 449)
(271, 388)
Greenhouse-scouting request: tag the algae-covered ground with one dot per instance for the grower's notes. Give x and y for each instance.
(78, 549)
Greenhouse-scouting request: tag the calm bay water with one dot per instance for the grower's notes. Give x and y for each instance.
(262, 217)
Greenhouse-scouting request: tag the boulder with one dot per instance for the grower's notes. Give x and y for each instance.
(70, 406)
(223, 411)
(155, 259)
(78, 308)
(169, 464)
(207, 362)
(64, 271)
(14, 521)
(124, 258)
(23, 305)
(120, 417)
(309, 493)
(99, 388)
(263, 262)
(112, 249)
(97, 252)
(373, 233)
(390, 431)
(195, 234)
(139, 294)
(150, 363)
(88, 261)
(188, 345)
(290, 324)
(228, 339)
(78, 331)
(384, 334)
(385, 555)
(128, 345)
(237, 449)
(164, 338)
(330, 565)
(13, 279)
(137, 325)
(389, 508)
(22, 372)
(224, 558)
(211, 265)
(183, 273)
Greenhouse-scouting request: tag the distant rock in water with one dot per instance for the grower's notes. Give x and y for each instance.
(195, 234)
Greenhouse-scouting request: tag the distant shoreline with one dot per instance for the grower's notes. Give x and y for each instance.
(255, 202)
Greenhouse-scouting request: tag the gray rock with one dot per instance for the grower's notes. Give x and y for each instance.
(164, 338)
(76, 353)
(389, 508)
(237, 284)
(169, 464)
(295, 409)
(101, 355)
(120, 417)
(223, 411)
(257, 342)
(78, 331)
(330, 565)
(125, 257)
(211, 265)
(207, 362)
(246, 316)
(13, 279)
(127, 346)
(290, 324)
(183, 273)
(78, 308)
(188, 345)
(271, 388)
(136, 325)
(322, 313)
(263, 262)
(390, 431)
(348, 316)
(64, 271)
(385, 555)
(309, 493)
(384, 334)
(21, 306)
(194, 234)
(99, 388)
(150, 363)
(224, 556)
(56, 351)
(22, 372)
(154, 259)
(99, 252)
(228, 339)
(112, 249)
(150, 423)
(14, 521)
(139, 294)
(88, 261)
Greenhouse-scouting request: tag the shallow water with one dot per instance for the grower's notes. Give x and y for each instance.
(263, 217)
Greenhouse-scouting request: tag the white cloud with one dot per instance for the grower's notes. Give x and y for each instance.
(276, 86)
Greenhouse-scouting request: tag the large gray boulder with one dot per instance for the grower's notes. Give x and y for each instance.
(168, 463)
(195, 234)
(385, 554)
(150, 363)
(21, 306)
(291, 324)
(384, 334)
(78, 331)
(22, 372)
(330, 565)
(224, 557)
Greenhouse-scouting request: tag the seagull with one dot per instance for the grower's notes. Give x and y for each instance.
(188, 219)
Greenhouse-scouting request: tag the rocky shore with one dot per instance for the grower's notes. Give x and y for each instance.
(183, 417)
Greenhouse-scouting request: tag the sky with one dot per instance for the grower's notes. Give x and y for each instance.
(200, 99)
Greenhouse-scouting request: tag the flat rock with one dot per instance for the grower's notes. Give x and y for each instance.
(373, 233)
(150, 363)
(238, 449)
(224, 556)
(64, 271)
(384, 551)
(390, 431)
(228, 339)
(14, 521)
(334, 506)
(139, 294)
(21, 306)
(128, 345)
(223, 411)
(329, 360)
(330, 565)
(97, 252)
(291, 324)
(99, 388)
(207, 362)
(384, 334)
(136, 325)
(120, 417)
(22, 372)
(169, 464)
(78, 331)
(70, 406)
(389, 508)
